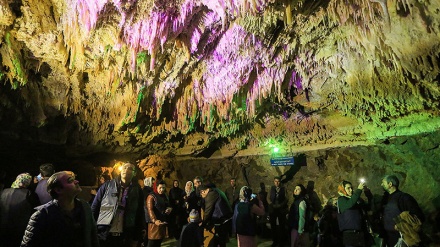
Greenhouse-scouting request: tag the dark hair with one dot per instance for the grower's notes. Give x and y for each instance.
(178, 183)
(203, 187)
(47, 170)
(345, 183)
(277, 177)
(247, 193)
(303, 190)
(106, 177)
(160, 182)
(198, 178)
(393, 179)
(52, 183)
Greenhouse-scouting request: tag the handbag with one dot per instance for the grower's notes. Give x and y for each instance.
(156, 232)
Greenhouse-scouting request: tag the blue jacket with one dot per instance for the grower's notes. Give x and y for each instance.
(105, 204)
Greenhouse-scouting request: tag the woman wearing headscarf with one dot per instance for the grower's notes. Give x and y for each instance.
(159, 209)
(148, 186)
(190, 198)
(16, 207)
(244, 219)
(297, 218)
(177, 217)
(351, 214)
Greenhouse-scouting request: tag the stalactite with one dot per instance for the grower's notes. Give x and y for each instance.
(288, 12)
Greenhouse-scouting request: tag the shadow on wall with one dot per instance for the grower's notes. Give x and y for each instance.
(434, 220)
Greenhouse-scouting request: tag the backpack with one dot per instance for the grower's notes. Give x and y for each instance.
(222, 209)
(243, 221)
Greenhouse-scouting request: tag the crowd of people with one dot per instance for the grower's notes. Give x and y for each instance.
(46, 211)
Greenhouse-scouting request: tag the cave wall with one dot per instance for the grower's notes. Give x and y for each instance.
(415, 160)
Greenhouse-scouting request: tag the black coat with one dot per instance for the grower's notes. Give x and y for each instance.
(50, 227)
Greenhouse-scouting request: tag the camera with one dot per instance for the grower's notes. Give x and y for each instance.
(253, 196)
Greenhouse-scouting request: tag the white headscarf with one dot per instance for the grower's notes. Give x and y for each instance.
(188, 192)
(148, 181)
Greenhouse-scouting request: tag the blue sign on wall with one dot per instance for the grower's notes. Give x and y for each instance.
(282, 161)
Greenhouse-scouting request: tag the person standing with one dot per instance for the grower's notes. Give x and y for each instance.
(244, 221)
(232, 192)
(278, 211)
(352, 216)
(159, 209)
(148, 186)
(190, 198)
(46, 170)
(147, 190)
(329, 234)
(16, 207)
(197, 182)
(394, 203)
(297, 218)
(65, 221)
(217, 213)
(118, 209)
(177, 216)
(263, 196)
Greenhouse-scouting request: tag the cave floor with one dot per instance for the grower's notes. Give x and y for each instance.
(262, 242)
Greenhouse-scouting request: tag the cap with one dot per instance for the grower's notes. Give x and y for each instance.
(194, 216)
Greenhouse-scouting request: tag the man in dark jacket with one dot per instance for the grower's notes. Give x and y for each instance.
(65, 221)
(393, 204)
(118, 209)
(217, 213)
(278, 212)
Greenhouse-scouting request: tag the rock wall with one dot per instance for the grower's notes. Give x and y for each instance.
(415, 160)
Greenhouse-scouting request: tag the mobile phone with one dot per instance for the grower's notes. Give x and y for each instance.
(253, 196)
(362, 180)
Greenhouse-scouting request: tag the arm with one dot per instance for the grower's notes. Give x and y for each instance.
(283, 204)
(302, 216)
(34, 234)
(258, 209)
(150, 208)
(408, 203)
(140, 215)
(93, 231)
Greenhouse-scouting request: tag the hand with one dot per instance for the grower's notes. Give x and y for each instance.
(168, 210)
(361, 185)
(367, 192)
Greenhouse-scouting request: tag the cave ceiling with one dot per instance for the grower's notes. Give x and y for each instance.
(205, 78)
